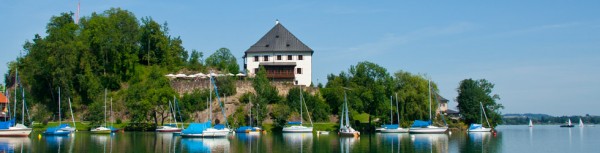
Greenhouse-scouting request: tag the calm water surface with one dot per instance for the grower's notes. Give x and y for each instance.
(543, 138)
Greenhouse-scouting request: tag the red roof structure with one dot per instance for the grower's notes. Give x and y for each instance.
(3, 98)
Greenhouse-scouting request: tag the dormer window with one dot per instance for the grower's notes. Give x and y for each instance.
(267, 45)
(287, 45)
(276, 36)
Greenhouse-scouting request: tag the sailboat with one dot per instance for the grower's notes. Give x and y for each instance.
(580, 123)
(206, 129)
(427, 126)
(250, 129)
(61, 129)
(569, 124)
(479, 127)
(9, 128)
(346, 129)
(102, 129)
(170, 127)
(297, 127)
(530, 123)
(392, 128)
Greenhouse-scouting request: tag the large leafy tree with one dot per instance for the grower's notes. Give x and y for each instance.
(265, 93)
(370, 86)
(473, 92)
(148, 96)
(413, 96)
(223, 60)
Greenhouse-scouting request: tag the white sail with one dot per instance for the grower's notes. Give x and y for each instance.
(580, 123)
(530, 123)
(569, 123)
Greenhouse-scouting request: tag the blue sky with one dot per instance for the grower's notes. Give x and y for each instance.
(543, 56)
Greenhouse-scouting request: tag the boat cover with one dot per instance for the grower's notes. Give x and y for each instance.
(56, 128)
(419, 123)
(294, 122)
(474, 126)
(219, 126)
(7, 124)
(196, 128)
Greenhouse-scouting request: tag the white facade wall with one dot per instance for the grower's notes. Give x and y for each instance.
(305, 64)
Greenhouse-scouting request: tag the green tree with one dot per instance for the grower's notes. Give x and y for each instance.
(223, 60)
(413, 96)
(279, 114)
(265, 92)
(148, 96)
(470, 94)
(195, 63)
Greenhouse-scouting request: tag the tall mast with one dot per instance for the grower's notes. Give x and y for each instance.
(23, 110)
(210, 98)
(59, 114)
(397, 109)
(391, 105)
(72, 117)
(16, 87)
(346, 105)
(174, 115)
(250, 112)
(343, 111)
(429, 88)
(105, 107)
(111, 114)
(301, 106)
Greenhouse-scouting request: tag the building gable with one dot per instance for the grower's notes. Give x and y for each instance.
(279, 39)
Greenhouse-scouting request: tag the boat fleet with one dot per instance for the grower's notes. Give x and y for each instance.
(9, 127)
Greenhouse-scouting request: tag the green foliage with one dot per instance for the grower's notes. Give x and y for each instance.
(192, 102)
(223, 60)
(247, 97)
(226, 85)
(195, 63)
(470, 94)
(238, 118)
(369, 86)
(279, 114)
(148, 96)
(318, 109)
(95, 114)
(266, 93)
(413, 96)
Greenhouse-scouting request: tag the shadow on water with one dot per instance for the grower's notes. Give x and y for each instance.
(14, 144)
(482, 142)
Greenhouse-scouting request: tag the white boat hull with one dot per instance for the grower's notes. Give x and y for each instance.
(208, 133)
(297, 129)
(482, 129)
(14, 132)
(398, 130)
(426, 130)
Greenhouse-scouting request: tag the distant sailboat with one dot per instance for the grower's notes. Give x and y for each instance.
(479, 127)
(392, 128)
(102, 129)
(580, 123)
(569, 124)
(170, 127)
(61, 129)
(297, 127)
(427, 127)
(530, 123)
(346, 129)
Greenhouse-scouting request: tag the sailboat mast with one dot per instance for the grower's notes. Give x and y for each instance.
(429, 88)
(250, 112)
(174, 112)
(391, 105)
(105, 107)
(23, 109)
(397, 109)
(72, 117)
(210, 99)
(346, 104)
(484, 115)
(301, 117)
(111, 113)
(59, 114)
(16, 87)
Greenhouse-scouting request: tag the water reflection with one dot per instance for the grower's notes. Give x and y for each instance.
(395, 141)
(298, 141)
(103, 140)
(250, 141)
(14, 144)
(205, 144)
(346, 143)
(430, 142)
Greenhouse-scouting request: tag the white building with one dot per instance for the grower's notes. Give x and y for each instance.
(284, 57)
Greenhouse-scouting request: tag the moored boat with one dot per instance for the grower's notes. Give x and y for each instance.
(568, 124)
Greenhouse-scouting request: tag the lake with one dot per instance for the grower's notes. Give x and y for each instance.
(510, 138)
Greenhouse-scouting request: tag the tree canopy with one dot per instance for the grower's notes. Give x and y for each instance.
(223, 60)
(473, 92)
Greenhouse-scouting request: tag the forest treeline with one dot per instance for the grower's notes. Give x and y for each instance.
(127, 58)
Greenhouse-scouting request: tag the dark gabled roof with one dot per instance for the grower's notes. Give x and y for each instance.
(450, 111)
(441, 99)
(279, 39)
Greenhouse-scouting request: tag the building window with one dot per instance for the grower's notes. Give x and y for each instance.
(290, 57)
(255, 70)
(300, 57)
(299, 70)
(256, 58)
(278, 57)
(266, 58)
